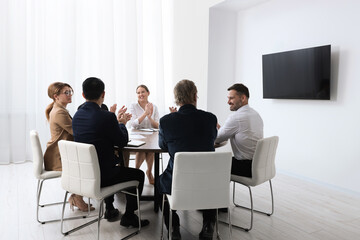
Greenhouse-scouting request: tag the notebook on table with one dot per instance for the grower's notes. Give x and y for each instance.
(135, 143)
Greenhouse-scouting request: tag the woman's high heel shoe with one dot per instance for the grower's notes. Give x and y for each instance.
(77, 201)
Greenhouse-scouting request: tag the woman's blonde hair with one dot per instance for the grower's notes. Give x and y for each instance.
(54, 88)
(185, 92)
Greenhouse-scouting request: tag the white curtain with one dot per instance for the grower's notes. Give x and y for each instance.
(123, 42)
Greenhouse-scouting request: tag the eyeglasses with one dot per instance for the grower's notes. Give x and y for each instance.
(68, 92)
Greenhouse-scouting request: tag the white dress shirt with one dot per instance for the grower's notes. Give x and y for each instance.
(137, 111)
(244, 127)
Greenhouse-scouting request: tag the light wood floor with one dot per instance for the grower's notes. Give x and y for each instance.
(303, 210)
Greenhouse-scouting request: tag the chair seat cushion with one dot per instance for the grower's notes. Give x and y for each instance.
(244, 180)
(107, 191)
(49, 174)
(254, 181)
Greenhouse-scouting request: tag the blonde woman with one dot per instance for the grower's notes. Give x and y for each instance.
(61, 129)
(144, 115)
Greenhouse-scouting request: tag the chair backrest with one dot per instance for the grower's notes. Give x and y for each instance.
(263, 165)
(201, 180)
(38, 157)
(80, 169)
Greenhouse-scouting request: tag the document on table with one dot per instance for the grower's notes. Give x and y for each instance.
(145, 133)
(149, 129)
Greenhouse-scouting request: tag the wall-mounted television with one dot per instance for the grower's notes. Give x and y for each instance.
(297, 74)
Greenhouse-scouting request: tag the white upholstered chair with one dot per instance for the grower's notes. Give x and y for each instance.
(81, 175)
(201, 180)
(41, 175)
(263, 170)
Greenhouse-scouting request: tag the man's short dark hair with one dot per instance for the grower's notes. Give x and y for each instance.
(93, 88)
(241, 89)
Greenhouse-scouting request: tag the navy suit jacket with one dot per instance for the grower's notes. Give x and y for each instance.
(188, 130)
(100, 128)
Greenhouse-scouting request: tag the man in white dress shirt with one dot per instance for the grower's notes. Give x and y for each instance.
(244, 127)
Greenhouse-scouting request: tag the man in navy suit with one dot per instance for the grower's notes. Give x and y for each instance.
(104, 130)
(186, 130)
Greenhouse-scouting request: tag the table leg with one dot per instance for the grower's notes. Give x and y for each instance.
(156, 194)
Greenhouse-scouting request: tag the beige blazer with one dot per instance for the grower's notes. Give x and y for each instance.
(60, 129)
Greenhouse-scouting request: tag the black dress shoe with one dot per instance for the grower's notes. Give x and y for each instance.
(132, 220)
(175, 235)
(207, 231)
(112, 215)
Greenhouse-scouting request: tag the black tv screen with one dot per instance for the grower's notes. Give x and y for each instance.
(297, 74)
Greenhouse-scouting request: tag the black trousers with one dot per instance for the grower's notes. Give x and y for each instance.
(121, 174)
(241, 167)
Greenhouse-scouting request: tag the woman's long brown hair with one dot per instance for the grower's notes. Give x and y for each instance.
(54, 88)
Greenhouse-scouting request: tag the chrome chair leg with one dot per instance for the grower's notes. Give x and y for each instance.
(272, 199)
(230, 225)
(101, 212)
(38, 205)
(74, 229)
(217, 224)
(255, 210)
(170, 223)
(162, 219)
(139, 213)
(98, 219)
(162, 162)
(38, 193)
(252, 207)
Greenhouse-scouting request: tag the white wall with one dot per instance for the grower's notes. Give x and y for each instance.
(221, 71)
(319, 140)
(190, 44)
